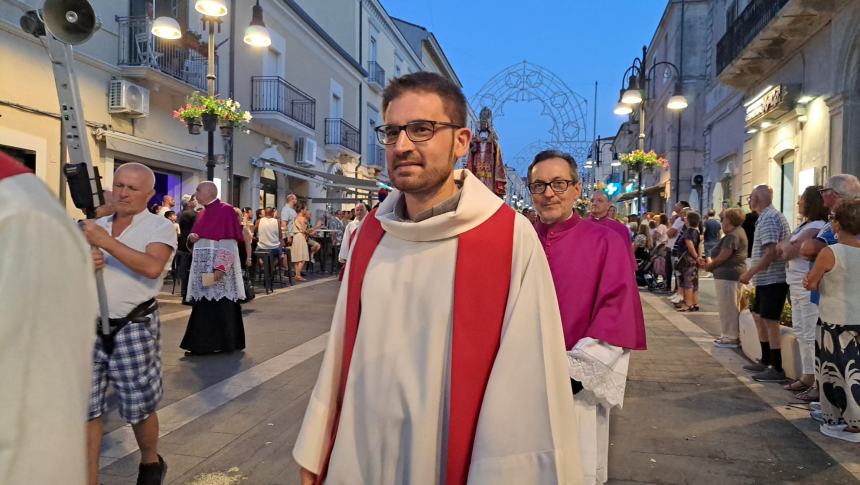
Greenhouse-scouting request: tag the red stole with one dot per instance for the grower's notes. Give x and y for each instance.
(10, 167)
(481, 286)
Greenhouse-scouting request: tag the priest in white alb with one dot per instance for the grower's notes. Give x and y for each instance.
(600, 308)
(445, 361)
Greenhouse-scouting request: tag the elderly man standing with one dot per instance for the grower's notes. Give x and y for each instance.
(838, 189)
(215, 285)
(767, 274)
(133, 247)
(600, 309)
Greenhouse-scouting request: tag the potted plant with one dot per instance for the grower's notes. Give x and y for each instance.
(207, 112)
(190, 114)
(232, 116)
(641, 159)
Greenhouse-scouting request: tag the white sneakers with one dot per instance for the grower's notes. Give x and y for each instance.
(676, 298)
(838, 431)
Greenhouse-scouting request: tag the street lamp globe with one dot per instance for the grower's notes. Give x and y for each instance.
(631, 97)
(622, 109)
(166, 28)
(257, 35)
(677, 102)
(211, 8)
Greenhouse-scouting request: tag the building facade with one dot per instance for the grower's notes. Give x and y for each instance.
(785, 97)
(314, 94)
(130, 83)
(675, 135)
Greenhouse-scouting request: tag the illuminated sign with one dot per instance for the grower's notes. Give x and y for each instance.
(773, 102)
(612, 188)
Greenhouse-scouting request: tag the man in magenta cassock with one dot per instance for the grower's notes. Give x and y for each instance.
(600, 308)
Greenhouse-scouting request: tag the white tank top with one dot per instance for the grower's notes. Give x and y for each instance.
(840, 286)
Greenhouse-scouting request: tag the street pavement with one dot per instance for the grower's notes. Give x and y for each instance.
(691, 415)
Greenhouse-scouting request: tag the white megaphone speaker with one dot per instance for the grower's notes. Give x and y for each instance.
(71, 21)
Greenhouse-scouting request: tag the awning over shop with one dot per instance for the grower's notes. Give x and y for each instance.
(654, 189)
(322, 178)
(151, 150)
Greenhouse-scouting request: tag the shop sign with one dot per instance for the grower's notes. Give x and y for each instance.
(772, 103)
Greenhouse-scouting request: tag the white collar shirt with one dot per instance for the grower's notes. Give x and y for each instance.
(125, 288)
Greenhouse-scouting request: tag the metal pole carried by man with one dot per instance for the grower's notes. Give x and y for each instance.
(131, 247)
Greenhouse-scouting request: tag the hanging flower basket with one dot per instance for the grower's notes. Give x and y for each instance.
(195, 126)
(226, 129)
(646, 160)
(212, 111)
(210, 121)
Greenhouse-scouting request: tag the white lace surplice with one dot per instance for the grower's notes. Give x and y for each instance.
(602, 370)
(207, 255)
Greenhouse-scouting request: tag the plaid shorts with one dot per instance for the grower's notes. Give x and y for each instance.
(134, 368)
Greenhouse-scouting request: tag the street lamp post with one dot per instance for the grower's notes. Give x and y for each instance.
(593, 159)
(638, 79)
(212, 12)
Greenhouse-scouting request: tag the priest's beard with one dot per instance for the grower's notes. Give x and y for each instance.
(432, 177)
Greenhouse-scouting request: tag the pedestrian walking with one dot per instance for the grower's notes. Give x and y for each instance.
(446, 360)
(132, 247)
(599, 303)
(215, 284)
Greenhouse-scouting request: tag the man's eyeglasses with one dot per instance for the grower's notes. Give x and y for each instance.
(417, 131)
(825, 190)
(557, 186)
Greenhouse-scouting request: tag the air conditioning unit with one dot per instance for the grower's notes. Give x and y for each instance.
(306, 152)
(697, 179)
(128, 98)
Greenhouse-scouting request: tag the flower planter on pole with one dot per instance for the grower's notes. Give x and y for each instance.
(210, 121)
(226, 129)
(195, 126)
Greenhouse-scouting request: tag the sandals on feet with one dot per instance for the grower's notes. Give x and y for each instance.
(796, 386)
(687, 309)
(809, 395)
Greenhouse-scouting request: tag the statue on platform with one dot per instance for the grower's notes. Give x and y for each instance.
(485, 155)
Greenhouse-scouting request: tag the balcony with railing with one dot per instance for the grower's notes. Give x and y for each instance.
(169, 63)
(276, 102)
(376, 75)
(342, 138)
(763, 35)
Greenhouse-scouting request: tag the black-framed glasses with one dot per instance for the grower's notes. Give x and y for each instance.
(824, 190)
(416, 131)
(558, 186)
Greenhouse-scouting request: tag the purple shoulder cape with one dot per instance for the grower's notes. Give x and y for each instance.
(594, 282)
(218, 221)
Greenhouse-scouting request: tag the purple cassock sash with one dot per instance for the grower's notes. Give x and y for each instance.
(218, 221)
(595, 284)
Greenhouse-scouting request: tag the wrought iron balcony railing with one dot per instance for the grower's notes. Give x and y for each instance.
(275, 94)
(138, 47)
(339, 132)
(745, 28)
(376, 74)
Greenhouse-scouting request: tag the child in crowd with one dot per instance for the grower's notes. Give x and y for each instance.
(836, 274)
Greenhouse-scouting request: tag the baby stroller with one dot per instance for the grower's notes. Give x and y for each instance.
(651, 271)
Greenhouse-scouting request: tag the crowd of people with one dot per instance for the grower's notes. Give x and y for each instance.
(468, 343)
(814, 268)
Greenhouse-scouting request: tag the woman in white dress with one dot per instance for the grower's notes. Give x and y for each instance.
(299, 249)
